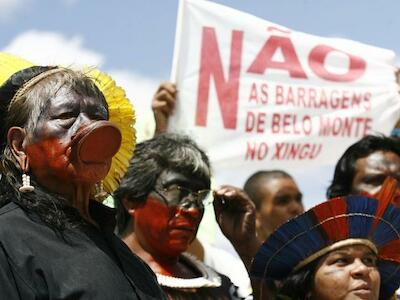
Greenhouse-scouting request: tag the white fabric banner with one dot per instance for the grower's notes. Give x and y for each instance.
(257, 95)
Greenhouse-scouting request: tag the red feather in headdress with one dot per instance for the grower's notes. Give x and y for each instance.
(331, 217)
(386, 196)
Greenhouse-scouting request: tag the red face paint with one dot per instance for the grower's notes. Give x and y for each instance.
(52, 165)
(72, 143)
(166, 231)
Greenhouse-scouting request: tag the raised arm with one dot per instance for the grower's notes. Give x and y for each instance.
(163, 105)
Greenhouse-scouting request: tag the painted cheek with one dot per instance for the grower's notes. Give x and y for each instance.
(153, 219)
(156, 223)
(48, 155)
(154, 211)
(53, 158)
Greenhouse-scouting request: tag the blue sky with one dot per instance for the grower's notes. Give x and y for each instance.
(139, 35)
(133, 40)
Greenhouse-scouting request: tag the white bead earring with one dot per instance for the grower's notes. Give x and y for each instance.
(26, 184)
(26, 180)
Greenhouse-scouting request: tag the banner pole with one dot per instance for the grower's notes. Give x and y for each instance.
(177, 46)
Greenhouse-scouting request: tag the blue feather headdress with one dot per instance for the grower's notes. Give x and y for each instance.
(333, 224)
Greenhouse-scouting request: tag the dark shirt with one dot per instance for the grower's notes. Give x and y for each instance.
(37, 262)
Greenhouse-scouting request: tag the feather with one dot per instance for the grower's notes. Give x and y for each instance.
(10, 64)
(385, 196)
(361, 215)
(288, 245)
(329, 216)
(391, 251)
(390, 278)
(388, 227)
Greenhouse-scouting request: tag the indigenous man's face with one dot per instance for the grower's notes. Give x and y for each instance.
(49, 147)
(282, 201)
(165, 229)
(349, 273)
(371, 171)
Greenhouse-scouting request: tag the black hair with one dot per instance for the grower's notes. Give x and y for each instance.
(298, 286)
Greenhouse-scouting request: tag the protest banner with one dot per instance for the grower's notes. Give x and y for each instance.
(257, 95)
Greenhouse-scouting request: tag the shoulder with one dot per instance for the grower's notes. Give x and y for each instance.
(16, 222)
(136, 269)
(11, 214)
(9, 208)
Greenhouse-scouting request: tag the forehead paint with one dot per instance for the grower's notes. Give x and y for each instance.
(169, 177)
(381, 161)
(371, 171)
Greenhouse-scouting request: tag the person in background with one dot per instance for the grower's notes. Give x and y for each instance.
(365, 165)
(56, 145)
(160, 204)
(277, 199)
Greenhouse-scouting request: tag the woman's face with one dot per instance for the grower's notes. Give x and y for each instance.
(348, 273)
(48, 147)
(165, 229)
